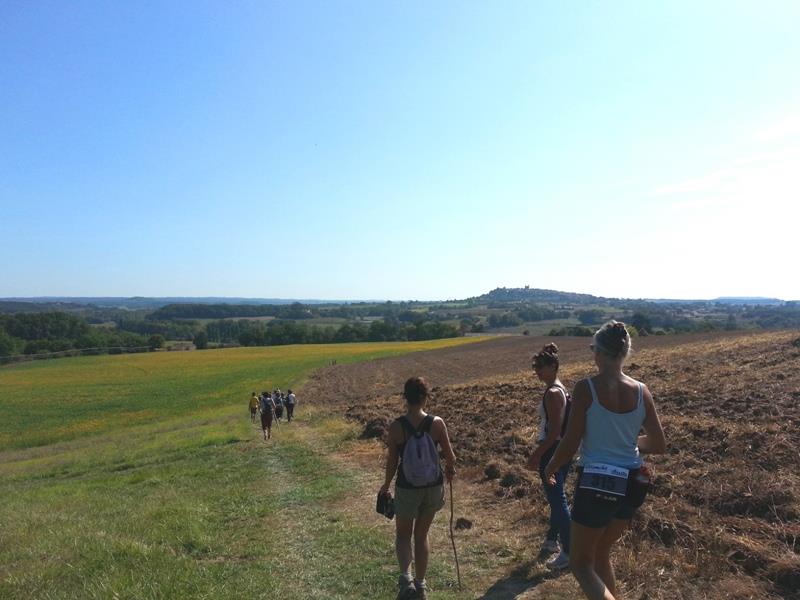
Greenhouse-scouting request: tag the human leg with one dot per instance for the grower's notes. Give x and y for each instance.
(422, 547)
(552, 530)
(404, 528)
(602, 560)
(559, 510)
(402, 543)
(584, 542)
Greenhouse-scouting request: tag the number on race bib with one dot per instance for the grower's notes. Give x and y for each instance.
(604, 478)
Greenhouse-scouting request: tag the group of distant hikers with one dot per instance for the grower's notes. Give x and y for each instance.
(603, 417)
(271, 407)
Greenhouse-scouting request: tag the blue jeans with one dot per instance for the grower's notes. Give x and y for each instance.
(557, 498)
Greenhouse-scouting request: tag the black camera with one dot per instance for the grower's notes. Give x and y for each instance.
(385, 505)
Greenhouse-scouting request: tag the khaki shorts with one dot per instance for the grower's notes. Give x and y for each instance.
(418, 502)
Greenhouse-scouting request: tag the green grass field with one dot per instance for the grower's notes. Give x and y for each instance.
(140, 476)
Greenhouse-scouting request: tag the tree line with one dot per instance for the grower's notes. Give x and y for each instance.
(402, 311)
(227, 311)
(50, 332)
(276, 333)
(35, 333)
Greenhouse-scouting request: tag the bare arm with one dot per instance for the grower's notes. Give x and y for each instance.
(581, 400)
(392, 457)
(440, 435)
(653, 442)
(556, 404)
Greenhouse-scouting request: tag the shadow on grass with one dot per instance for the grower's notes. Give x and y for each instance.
(517, 582)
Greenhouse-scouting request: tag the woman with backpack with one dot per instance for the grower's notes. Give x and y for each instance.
(553, 414)
(419, 491)
(267, 414)
(609, 411)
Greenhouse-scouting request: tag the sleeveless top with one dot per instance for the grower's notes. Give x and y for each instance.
(611, 437)
(402, 482)
(544, 420)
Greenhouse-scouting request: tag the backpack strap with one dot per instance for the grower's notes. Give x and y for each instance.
(424, 426)
(408, 428)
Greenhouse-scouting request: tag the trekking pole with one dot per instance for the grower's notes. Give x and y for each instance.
(453, 539)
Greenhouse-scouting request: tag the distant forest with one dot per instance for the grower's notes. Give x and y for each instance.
(53, 332)
(35, 333)
(41, 328)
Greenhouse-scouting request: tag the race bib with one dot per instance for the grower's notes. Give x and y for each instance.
(604, 478)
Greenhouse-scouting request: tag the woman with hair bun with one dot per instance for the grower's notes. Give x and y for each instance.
(609, 411)
(553, 414)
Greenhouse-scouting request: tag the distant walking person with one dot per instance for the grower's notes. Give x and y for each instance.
(291, 400)
(419, 491)
(267, 414)
(608, 413)
(253, 407)
(277, 397)
(553, 413)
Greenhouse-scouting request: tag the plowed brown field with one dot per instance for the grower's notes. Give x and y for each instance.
(723, 520)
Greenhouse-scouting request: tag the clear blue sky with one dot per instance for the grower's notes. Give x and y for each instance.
(403, 150)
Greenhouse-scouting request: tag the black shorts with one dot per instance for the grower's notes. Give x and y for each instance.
(266, 420)
(596, 509)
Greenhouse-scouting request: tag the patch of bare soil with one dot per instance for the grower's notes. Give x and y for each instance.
(723, 519)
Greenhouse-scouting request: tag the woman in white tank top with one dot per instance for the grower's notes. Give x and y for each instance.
(608, 413)
(554, 415)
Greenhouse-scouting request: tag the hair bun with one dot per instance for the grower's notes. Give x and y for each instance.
(613, 339)
(620, 330)
(551, 349)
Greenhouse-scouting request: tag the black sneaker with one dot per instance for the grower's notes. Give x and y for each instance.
(407, 589)
(422, 590)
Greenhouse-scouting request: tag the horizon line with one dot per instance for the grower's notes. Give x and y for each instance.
(268, 300)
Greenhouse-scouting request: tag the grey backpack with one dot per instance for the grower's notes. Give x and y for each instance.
(420, 465)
